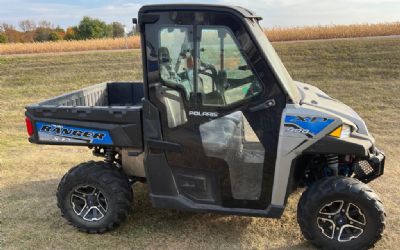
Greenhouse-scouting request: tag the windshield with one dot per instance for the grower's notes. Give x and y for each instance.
(274, 61)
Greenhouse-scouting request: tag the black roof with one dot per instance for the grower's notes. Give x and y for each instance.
(236, 10)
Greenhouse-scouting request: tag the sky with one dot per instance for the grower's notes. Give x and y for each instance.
(282, 13)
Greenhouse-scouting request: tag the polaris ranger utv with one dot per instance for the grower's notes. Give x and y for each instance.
(218, 125)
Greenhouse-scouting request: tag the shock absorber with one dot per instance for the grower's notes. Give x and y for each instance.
(333, 163)
(109, 155)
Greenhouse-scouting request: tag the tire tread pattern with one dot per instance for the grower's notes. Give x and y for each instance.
(106, 174)
(329, 185)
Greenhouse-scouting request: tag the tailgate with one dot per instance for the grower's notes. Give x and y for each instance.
(86, 126)
(108, 113)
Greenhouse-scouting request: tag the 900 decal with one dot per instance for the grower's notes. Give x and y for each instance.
(298, 130)
(63, 133)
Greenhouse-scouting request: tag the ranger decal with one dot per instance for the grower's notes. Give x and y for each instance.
(63, 133)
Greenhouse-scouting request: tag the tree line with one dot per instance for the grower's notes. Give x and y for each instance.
(88, 28)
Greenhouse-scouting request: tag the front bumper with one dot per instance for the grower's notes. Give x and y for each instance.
(372, 167)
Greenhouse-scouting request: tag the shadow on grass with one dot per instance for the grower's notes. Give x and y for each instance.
(147, 226)
(300, 246)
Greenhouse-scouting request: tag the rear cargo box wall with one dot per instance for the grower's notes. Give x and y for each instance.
(92, 96)
(124, 93)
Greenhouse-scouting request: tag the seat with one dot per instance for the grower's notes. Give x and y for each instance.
(169, 97)
(166, 72)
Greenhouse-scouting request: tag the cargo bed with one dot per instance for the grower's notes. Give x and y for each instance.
(108, 113)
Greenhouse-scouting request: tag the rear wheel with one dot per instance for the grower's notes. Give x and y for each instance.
(94, 196)
(341, 213)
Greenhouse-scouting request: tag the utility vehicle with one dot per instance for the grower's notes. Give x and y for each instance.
(217, 125)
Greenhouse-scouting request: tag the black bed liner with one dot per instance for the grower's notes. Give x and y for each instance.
(110, 106)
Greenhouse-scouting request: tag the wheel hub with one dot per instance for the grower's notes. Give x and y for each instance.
(341, 220)
(91, 200)
(89, 203)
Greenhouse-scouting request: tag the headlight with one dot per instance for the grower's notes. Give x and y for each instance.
(343, 131)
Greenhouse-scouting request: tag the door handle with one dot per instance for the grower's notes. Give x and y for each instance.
(265, 105)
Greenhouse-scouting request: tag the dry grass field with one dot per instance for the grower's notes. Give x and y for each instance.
(273, 34)
(363, 73)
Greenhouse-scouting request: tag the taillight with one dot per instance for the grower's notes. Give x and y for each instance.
(29, 126)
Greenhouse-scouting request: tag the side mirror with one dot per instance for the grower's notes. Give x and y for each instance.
(135, 25)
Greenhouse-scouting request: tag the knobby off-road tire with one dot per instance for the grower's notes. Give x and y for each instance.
(95, 197)
(341, 213)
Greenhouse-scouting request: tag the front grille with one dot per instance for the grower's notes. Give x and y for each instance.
(363, 169)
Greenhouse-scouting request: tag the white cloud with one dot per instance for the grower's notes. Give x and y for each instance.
(314, 12)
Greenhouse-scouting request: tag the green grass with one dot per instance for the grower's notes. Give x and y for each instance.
(363, 73)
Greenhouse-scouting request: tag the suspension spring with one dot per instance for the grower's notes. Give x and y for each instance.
(333, 163)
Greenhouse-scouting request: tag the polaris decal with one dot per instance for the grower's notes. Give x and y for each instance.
(63, 133)
(199, 113)
(308, 126)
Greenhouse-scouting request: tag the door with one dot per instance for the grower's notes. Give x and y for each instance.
(219, 103)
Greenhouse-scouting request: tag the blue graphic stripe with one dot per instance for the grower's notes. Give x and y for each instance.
(313, 124)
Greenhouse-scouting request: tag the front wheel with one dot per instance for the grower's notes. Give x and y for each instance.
(94, 196)
(341, 213)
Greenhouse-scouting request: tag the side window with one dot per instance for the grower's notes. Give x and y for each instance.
(224, 75)
(175, 57)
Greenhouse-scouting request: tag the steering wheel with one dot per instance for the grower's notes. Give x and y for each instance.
(204, 67)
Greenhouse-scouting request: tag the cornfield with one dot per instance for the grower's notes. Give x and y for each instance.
(274, 35)
(69, 46)
(333, 31)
